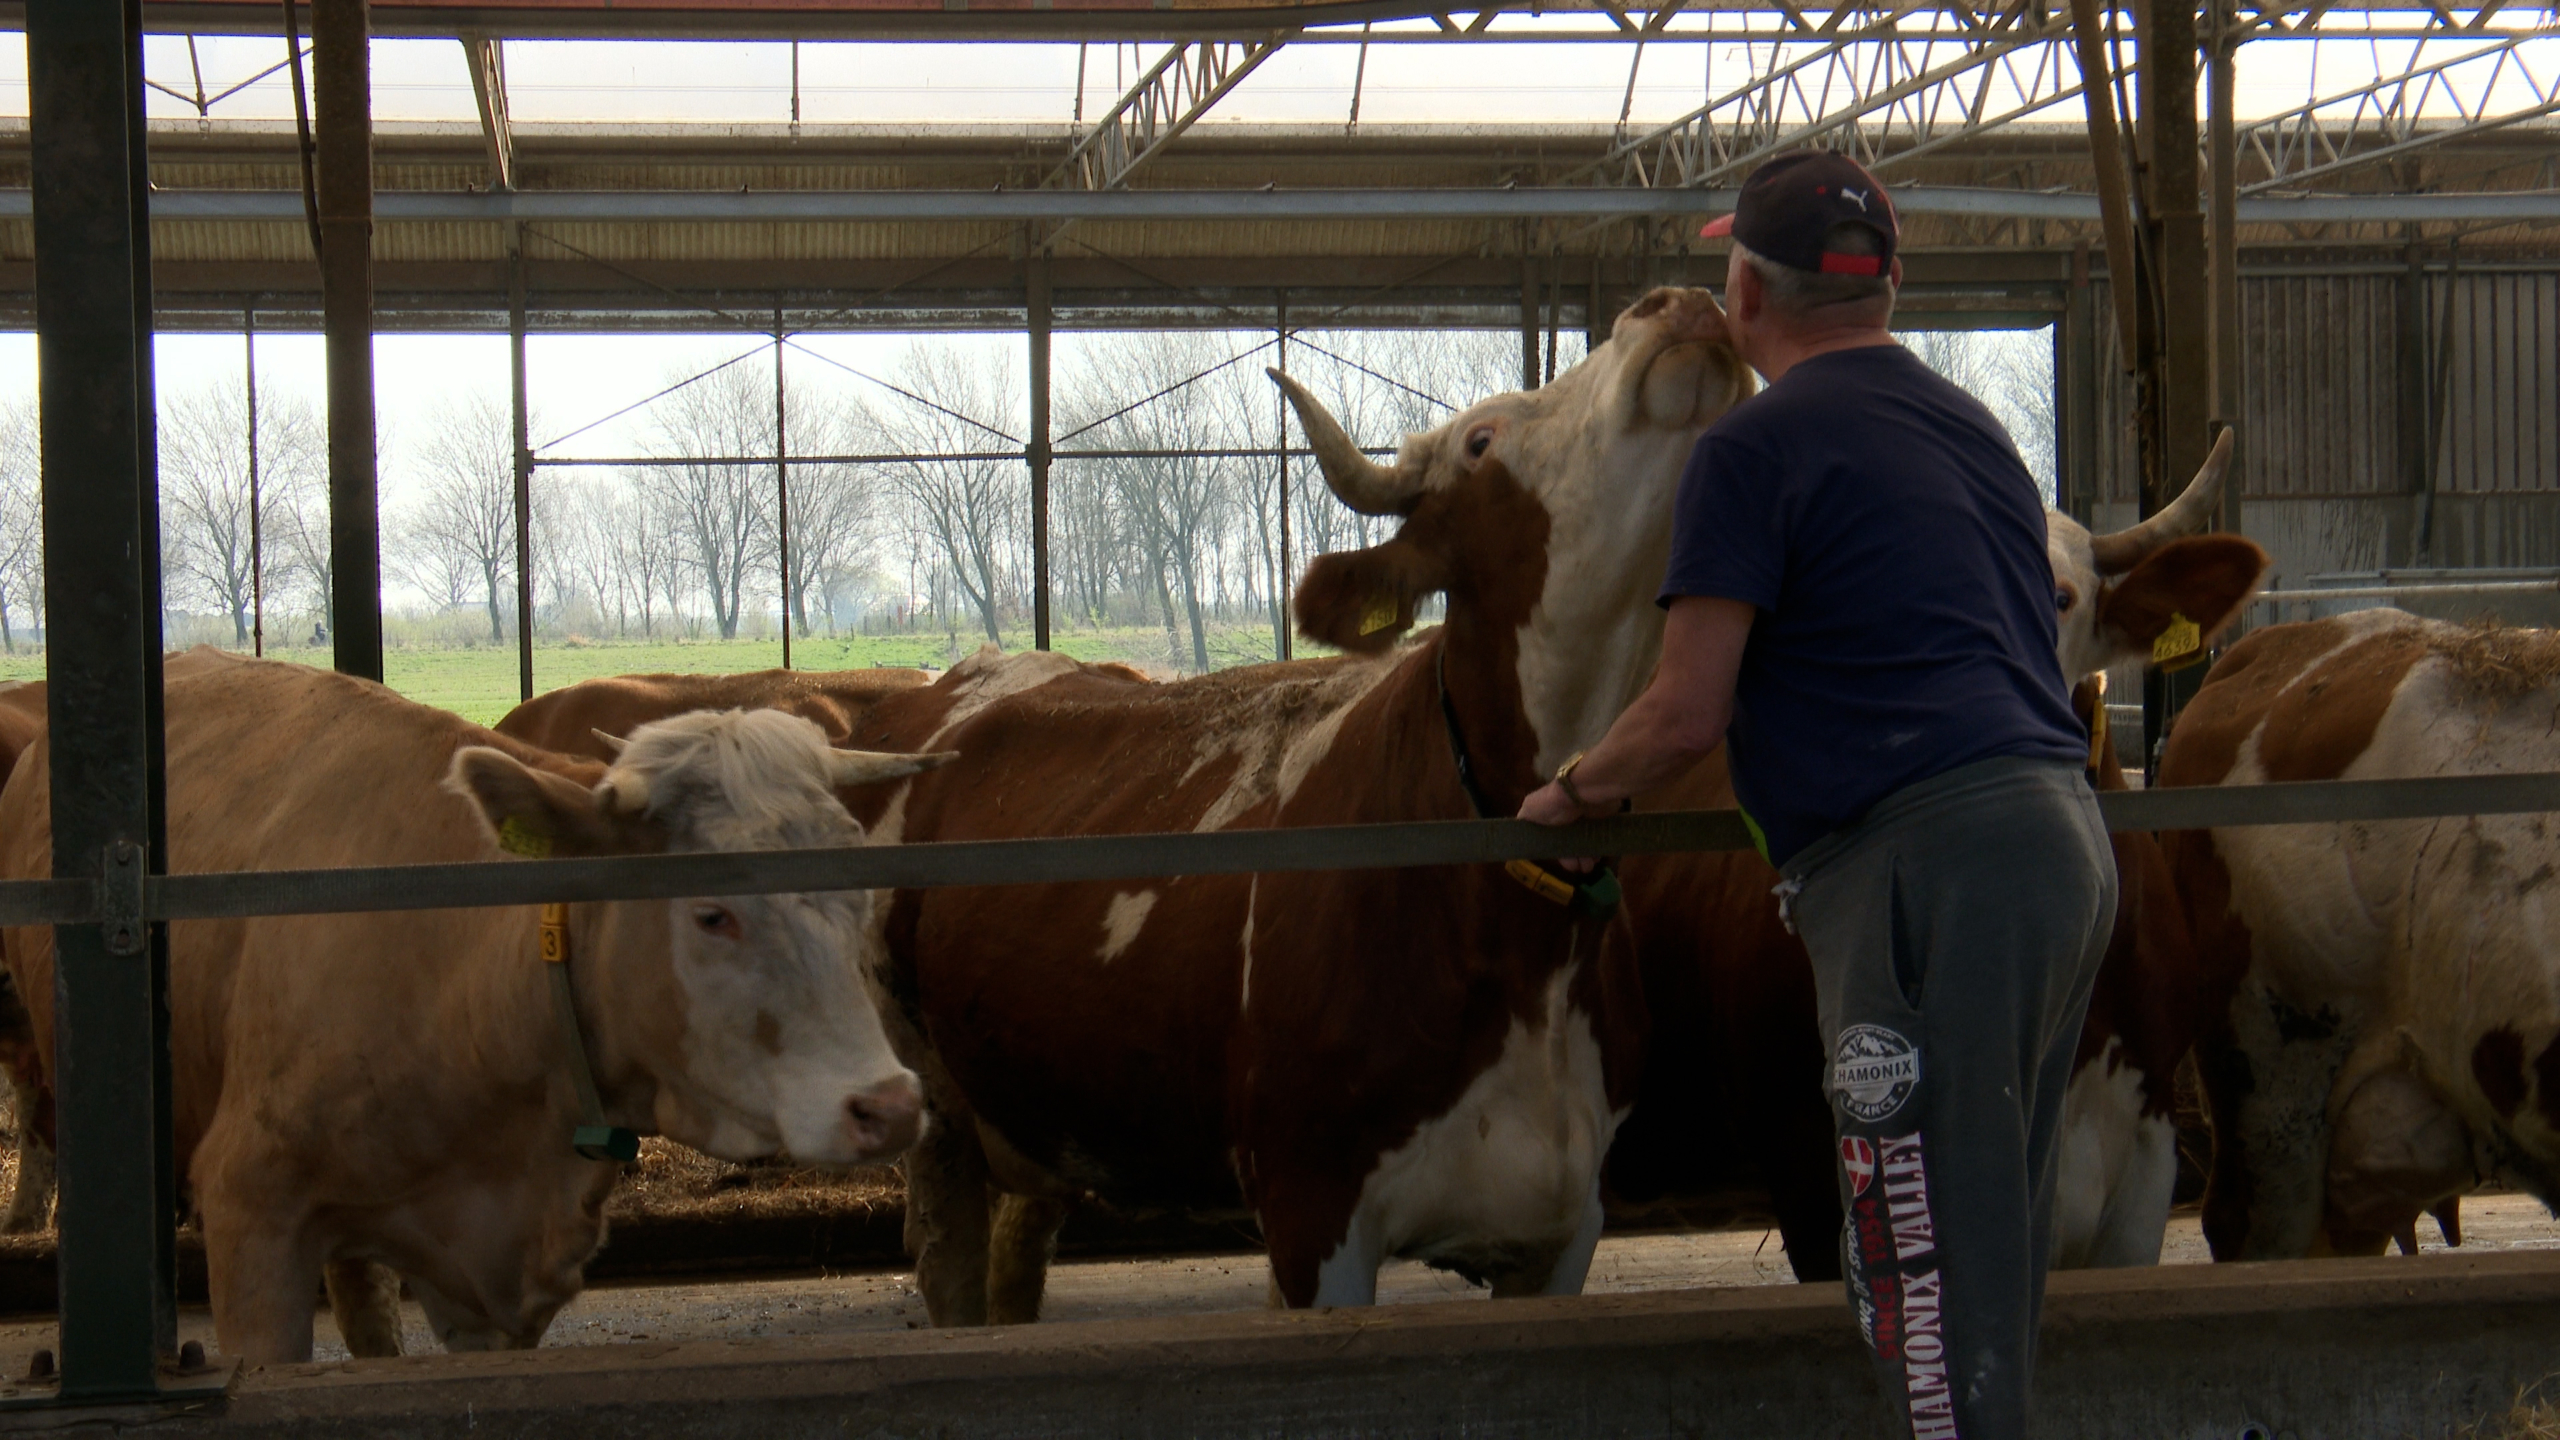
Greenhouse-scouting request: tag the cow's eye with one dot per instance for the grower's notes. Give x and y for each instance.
(1479, 440)
(2064, 597)
(716, 920)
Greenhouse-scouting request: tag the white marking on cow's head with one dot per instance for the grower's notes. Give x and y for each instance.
(779, 1045)
(1600, 450)
(2116, 594)
(1122, 921)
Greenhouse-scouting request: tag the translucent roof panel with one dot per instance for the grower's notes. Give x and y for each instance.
(1409, 76)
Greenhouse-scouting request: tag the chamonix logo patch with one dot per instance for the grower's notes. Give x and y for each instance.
(1873, 1071)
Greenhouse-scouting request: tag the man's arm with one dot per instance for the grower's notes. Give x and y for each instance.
(1673, 724)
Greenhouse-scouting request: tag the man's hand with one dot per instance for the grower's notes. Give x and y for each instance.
(1549, 805)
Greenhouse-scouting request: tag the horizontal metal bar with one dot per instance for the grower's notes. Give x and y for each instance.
(961, 20)
(1226, 852)
(2393, 592)
(1229, 452)
(1437, 204)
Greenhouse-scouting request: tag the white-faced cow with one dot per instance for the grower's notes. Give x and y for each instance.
(1731, 1112)
(364, 1091)
(2387, 1033)
(1372, 1063)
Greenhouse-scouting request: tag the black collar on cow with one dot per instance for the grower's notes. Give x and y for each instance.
(1594, 895)
(592, 1137)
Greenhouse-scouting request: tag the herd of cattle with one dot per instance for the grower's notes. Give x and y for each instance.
(1434, 1063)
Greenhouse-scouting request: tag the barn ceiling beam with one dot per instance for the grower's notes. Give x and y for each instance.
(2402, 112)
(1860, 91)
(1143, 19)
(485, 56)
(1169, 98)
(1422, 206)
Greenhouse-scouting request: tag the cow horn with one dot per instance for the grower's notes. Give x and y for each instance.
(1358, 481)
(614, 743)
(869, 767)
(2186, 515)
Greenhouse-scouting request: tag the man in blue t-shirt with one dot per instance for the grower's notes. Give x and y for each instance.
(1861, 607)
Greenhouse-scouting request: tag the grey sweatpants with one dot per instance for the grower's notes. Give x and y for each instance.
(1955, 932)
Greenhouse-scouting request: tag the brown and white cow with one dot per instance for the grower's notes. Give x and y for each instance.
(569, 720)
(360, 1091)
(1731, 1110)
(22, 720)
(1371, 1063)
(2387, 1033)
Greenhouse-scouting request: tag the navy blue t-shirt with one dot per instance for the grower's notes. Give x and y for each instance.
(1882, 522)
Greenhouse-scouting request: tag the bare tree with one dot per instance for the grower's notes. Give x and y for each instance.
(206, 546)
(457, 541)
(968, 511)
(721, 514)
(832, 506)
(1174, 508)
(21, 523)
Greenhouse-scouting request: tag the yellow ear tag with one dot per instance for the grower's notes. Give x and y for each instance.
(1381, 615)
(516, 838)
(2180, 641)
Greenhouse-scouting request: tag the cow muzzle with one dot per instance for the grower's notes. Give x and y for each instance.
(882, 1121)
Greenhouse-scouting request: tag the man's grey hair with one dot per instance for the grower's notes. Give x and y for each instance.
(1799, 293)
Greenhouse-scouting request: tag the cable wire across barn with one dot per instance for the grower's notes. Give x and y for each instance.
(1124, 857)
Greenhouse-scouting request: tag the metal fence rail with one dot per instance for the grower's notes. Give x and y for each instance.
(1124, 857)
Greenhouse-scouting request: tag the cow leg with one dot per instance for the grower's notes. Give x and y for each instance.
(1348, 1276)
(1024, 1241)
(364, 1298)
(1563, 1272)
(947, 1220)
(2136, 1217)
(261, 1277)
(31, 1202)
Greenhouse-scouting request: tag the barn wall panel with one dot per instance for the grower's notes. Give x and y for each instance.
(2324, 481)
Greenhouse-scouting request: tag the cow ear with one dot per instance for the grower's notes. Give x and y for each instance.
(2201, 580)
(540, 814)
(1362, 600)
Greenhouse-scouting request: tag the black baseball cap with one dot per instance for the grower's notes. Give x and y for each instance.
(1789, 206)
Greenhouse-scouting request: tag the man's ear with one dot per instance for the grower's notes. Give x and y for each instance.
(2201, 579)
(1362, 600)
(540, 814)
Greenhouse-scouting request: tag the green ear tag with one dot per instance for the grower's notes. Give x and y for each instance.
(517, 838)
(1381, 615)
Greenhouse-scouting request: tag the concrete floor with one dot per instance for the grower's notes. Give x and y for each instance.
(829, 1305)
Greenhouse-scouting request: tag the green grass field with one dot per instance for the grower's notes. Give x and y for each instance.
(480, 684)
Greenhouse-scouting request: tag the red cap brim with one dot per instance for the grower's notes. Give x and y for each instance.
(1721, 225)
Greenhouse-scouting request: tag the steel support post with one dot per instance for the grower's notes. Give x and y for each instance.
(257, 502)
(2076, 365)
(2229, 394)
(1597, 324)
(102, 659)
(1528, 317)
(2410, 360)
(522, 434)
(2181, 354)
(782, 485)
(1035, 450)
(340, 62)
(1284, 582)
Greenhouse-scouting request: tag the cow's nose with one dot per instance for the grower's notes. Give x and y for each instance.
(885, 1118)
